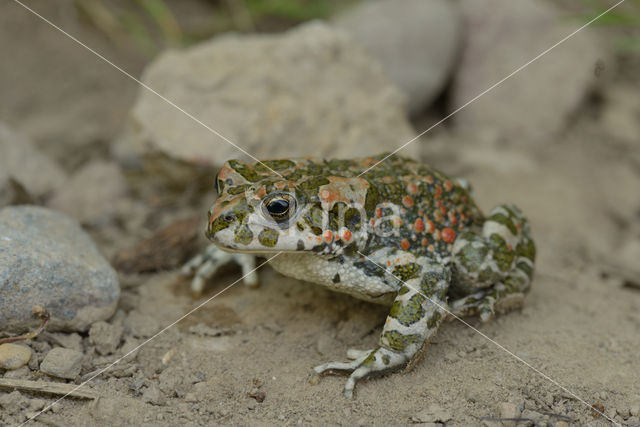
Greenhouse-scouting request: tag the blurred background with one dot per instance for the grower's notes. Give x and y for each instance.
(527, 114)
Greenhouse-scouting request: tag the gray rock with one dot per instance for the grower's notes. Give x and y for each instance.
(91, 194)
(12, 192)
(62, 363)
(416, 41)
(153, 395)
(141, 325)
(13, 356)
(46, 259)
(503, 35)
(309, 91)
(72, 341)
(13, 402)
(30, 170)
(105, 337)
(433, 414)
(18, 373)
(509, 410)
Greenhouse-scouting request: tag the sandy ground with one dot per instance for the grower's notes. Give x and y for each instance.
(577, 334)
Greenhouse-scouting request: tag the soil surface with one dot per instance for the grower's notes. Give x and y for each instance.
(244, 357)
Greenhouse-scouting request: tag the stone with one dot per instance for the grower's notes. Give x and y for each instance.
(509, 410)
(62, 363)
(536, 103)
(416, 41)
(13, 402)
(13, 356)
(48, 260)
(12, 192)
(153, 395)
(141, 325)
(433, 414)
(18, 373)
(72, 341)
(91, 195)
(311, 91)
(105, 337)
(31, 171)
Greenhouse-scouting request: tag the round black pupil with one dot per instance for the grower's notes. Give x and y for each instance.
(278, 207)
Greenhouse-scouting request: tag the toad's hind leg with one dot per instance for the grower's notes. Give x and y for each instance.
(413, 319)
(492, 271)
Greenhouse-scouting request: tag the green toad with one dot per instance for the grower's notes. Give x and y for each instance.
(401, 234)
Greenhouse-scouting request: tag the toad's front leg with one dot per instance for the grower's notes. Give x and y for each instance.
(204, 265)
(413, 319)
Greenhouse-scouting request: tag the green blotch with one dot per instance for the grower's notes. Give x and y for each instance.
(276, 165)
(314, 219)
(336, 215)
(370, 360)
(501, 253)
(238, 189)
(527, 249)
(268, 237)
(472, 257)
(391, 192)
(313, 183)
(243, 235)
(504, 220)
(403, 290)
(247, 172)
(407, 271)
(408, 312)
(399, 342)
(528, 270)
(371, 199)
(353, 219)
(386, 359)
(433, 320)
(218, 224)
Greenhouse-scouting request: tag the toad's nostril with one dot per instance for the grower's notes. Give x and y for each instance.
(229, 218)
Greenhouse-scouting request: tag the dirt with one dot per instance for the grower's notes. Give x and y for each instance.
(244, 357)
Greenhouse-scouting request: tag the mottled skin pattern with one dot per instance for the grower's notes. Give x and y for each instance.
(401, 234)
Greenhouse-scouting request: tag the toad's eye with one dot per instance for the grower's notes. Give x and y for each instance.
(279, 206)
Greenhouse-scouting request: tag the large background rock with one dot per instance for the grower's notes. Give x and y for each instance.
(47, 260)
(308, 92)
(502, 35)
(416, 41)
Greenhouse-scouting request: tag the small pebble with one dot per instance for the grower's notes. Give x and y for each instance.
(14, 356)
(623, 412)
(62, 363)
(509, 410)
(105, 337)
(153, 395)
(18, 373)
(433, 414)
(37, 404)
(634, 410)
(190, 397)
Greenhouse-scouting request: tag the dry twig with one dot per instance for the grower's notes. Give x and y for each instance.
(44, 316)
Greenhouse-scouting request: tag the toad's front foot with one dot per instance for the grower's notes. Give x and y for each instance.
(364, 364)
(204, 265)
